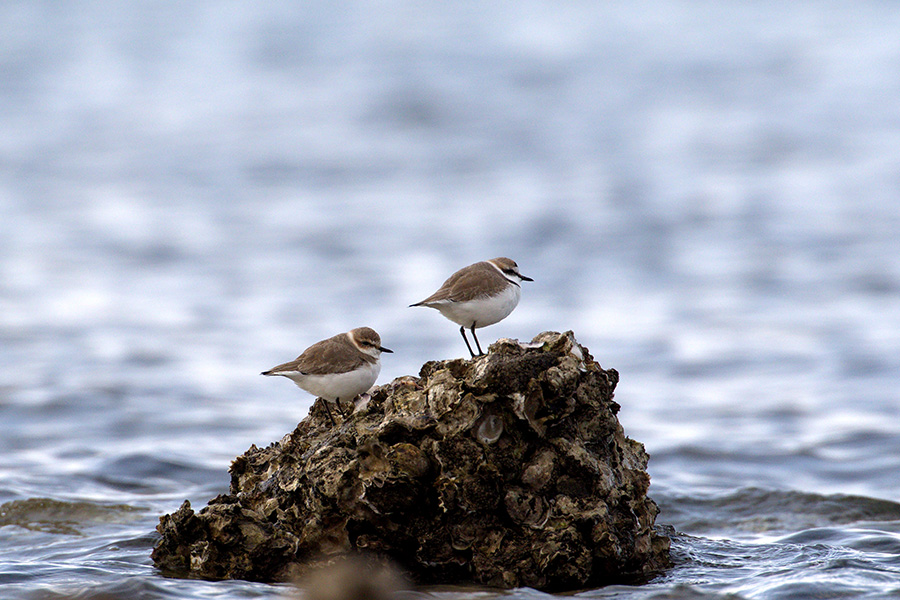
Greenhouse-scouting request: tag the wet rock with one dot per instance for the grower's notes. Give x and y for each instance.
(508, 470)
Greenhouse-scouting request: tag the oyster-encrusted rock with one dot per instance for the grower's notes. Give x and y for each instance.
(510, 469)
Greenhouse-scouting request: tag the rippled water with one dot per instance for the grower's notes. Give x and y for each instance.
(706, 193)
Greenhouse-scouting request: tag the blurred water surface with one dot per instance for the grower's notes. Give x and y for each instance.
(705, 192)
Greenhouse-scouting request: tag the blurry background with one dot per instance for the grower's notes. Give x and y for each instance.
(707, 193)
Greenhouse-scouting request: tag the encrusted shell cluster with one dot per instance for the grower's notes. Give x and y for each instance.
(510, 469)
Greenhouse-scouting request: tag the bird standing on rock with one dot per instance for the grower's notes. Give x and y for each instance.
(341, 367)
(479, 295)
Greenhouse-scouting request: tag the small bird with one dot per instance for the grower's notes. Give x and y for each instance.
(343, 366)
(479, 295)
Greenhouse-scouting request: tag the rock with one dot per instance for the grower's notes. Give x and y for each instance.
(507, 470)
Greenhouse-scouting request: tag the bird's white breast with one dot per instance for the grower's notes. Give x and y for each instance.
(483, 311)
(345, 386)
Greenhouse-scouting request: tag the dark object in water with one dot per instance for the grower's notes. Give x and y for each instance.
(507, 470)
(352, 578)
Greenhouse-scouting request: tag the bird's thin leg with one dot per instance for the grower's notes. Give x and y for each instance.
(480, 353)
(462, 330)
(328, 412)
(340, 408)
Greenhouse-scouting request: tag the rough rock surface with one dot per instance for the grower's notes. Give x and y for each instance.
(510, 469)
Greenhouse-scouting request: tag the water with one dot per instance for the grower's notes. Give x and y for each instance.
(706, 193)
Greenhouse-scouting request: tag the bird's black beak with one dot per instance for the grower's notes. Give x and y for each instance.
(525, 278)
(385, 350)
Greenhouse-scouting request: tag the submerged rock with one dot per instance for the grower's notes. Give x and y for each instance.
(510, 469)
